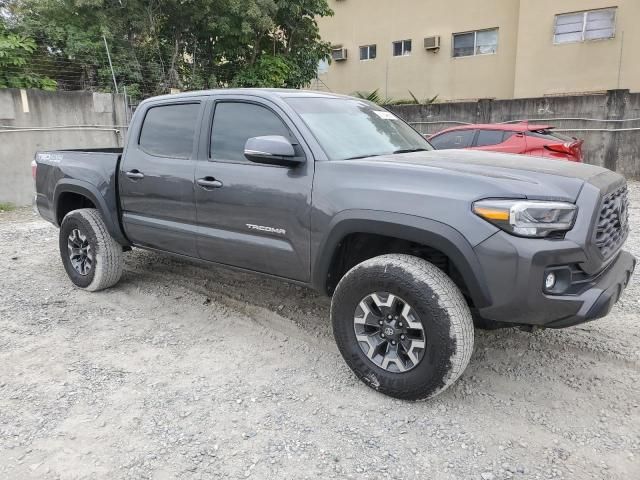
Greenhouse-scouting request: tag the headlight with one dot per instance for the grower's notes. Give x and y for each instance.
(527, 218)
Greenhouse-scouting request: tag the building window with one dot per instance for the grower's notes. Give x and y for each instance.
(368, 52)
(479, 42)
(401, 48)
(588, 25)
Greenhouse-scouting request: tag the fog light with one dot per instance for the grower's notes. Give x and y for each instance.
(550, 281)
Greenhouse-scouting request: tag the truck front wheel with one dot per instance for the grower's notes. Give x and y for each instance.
(91, 257)
(402, 326)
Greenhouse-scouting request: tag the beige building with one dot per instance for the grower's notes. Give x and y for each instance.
(469, 49)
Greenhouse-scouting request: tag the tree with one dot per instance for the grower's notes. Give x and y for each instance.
(15, 70)
(160, 44)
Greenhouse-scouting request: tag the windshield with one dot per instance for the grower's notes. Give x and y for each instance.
(351, 128)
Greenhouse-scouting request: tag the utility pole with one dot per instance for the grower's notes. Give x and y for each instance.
(115, 84)
(126, 105)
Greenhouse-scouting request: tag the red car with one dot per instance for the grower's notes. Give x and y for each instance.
(522, 138)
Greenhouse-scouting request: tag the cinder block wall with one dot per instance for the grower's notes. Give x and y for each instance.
(614, 144)
(32, 120)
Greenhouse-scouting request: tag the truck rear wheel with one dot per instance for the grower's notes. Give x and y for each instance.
(91, 257)
(402, 326)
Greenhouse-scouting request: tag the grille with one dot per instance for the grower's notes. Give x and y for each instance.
(613, 222)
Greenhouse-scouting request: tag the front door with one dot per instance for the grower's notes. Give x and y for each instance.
(156, 179)
(251, 215)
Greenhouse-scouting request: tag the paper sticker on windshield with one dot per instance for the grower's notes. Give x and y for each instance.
(385, 115)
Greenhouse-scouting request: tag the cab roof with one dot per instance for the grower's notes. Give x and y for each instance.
(259, 92)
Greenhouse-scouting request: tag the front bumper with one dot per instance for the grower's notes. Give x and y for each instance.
(514, 269)
(598, 300)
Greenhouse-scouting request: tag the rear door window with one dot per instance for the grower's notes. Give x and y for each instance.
(455, 139)
(489, 137)
(169, 130)
(508, 135)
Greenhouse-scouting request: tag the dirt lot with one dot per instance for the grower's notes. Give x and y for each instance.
(189, 372)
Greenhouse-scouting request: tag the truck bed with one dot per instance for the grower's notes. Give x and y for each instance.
(87, 170)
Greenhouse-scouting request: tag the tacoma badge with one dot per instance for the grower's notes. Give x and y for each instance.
(279, 231)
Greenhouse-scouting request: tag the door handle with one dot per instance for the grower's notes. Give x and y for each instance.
(134, 174)
(209, 182)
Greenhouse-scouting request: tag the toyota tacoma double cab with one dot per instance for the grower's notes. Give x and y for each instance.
(415, 246)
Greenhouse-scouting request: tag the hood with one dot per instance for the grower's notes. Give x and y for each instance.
(497, 174)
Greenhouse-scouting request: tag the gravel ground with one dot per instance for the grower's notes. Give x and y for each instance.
(188, 372)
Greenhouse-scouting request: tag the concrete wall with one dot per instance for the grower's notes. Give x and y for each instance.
(527, 62)
(614, 144)
(28, 120)
(32, 120)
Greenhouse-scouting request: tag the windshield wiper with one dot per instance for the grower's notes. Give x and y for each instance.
(402, 150)
(411, 150)
(364, 156)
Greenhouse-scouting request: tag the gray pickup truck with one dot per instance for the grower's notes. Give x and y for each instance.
(414, 245)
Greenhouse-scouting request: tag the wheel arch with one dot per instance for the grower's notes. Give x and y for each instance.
(87, 191)
(409, 228)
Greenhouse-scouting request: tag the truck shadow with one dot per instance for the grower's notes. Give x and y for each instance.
(308, 313)
(552, 369)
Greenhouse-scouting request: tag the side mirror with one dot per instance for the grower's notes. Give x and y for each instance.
(271, 150)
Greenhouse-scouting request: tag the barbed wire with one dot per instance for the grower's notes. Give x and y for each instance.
(143, 76)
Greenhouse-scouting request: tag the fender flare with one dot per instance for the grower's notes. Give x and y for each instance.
(109, 215)
(406, 227)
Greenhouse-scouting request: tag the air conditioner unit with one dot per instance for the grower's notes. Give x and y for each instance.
(432, 43)
(339, 54)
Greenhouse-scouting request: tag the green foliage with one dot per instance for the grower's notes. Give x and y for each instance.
(267, 71)
(429, 101)
(15, 70)
(375, 97)
(156, 45)
(7, 207)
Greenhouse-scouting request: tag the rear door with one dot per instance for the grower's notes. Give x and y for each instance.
(256, 216)
(500, 141)
(156, 177)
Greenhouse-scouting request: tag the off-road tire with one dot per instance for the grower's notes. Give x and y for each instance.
(106, 269)
(441, 308)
